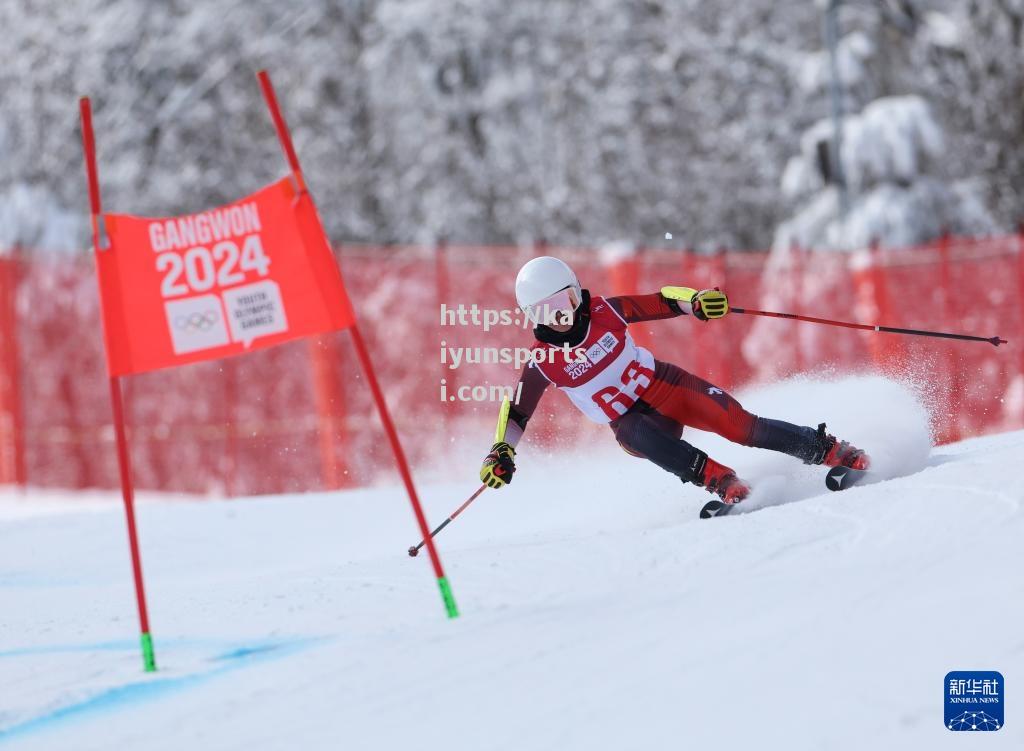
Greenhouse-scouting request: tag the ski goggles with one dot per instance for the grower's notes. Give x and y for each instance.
(556, 309)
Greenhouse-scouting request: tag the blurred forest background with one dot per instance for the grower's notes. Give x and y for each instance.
(488, 121)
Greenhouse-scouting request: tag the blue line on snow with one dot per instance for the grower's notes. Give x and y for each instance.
(131, 693)
(29, 580)
(130, 645)
(50, 649)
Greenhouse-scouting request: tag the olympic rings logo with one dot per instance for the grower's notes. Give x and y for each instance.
(197, 321)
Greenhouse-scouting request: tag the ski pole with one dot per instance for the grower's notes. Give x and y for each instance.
(499, 436)
(415, 549)
(995, 341)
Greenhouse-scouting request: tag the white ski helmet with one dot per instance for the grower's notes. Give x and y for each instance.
(539, 284)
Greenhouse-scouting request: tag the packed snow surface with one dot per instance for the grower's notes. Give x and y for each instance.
(598, 611)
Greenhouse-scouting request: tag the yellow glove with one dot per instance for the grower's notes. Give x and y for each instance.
(710, 303)
(685, 294)
(499, 466)
(706, 304)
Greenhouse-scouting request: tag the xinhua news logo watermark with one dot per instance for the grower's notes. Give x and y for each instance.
(974, 700)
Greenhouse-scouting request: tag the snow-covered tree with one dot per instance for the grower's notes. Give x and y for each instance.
(972, 56)
(489, 121)
(898, 190)
(888, 153)
(31, 217)
(891, 153)
(482, 121)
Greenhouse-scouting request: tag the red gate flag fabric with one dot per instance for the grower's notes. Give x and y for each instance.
(252, 274)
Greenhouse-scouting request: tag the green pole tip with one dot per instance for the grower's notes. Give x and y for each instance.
(448, 597)
(148, 655)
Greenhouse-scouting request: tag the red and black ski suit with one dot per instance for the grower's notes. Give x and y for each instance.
(665, 398)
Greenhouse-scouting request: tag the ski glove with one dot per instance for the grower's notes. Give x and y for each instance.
(705, 305)
(710, 303)
(499, 466)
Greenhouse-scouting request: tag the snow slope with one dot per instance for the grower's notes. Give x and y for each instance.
(597, 611)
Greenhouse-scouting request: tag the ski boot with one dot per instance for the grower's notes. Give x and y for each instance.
(722, 481)
(849, 464)
(835, 453)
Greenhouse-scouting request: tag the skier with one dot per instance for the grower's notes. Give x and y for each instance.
(583, 347)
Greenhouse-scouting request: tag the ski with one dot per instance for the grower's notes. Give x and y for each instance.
(841, 478)
(712, 509)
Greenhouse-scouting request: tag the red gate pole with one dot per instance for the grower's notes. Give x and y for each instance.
(12, 428)
(442, 289)
(1020, 285)
(797, 270)
(364, 358)
(952, 429)
(117, 402)
(328, 398)
(732, 344)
